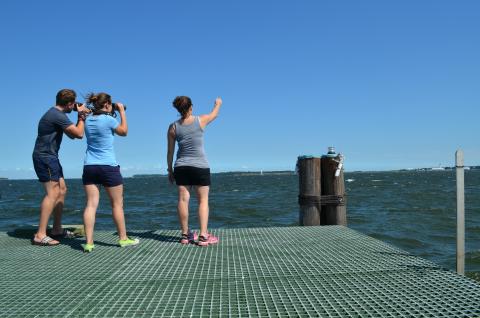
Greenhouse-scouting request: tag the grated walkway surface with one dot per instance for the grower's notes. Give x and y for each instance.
(257, 272)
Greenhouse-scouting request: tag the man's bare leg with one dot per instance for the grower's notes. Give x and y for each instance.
(52, 189)
(58, 210)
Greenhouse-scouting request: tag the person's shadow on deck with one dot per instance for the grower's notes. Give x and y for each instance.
(75, 243)
(151, 235)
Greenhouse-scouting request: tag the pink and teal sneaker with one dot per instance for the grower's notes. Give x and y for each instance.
(207, 240)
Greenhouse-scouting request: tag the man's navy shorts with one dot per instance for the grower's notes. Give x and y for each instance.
(47, 168)
(193, 176)
(108, 176)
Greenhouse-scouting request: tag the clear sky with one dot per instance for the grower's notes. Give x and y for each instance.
(390, 84)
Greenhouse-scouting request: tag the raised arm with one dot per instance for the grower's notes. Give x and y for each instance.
(208, 118)
(170, 151)
(122, 129)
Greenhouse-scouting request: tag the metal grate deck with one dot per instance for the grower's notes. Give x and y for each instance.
(329, 271)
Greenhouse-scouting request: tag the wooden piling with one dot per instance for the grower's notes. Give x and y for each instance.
(334, 209)
(309, 172)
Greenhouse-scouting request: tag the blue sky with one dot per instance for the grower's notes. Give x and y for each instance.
(391, 84)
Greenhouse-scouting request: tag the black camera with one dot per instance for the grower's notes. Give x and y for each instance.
(76, 106)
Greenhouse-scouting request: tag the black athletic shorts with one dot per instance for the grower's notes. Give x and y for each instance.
(108, 176)
(192, 176)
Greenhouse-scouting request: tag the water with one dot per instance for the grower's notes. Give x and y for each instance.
(414, 210)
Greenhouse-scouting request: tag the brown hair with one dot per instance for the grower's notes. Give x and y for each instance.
(182, 104)
(99, 100)
(65, 97)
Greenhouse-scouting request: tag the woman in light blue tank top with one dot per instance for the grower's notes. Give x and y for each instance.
(191, 167)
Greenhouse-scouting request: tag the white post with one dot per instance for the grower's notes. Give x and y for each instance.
(460, 212)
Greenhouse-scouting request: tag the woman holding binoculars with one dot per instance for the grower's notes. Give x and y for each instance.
(101, 167)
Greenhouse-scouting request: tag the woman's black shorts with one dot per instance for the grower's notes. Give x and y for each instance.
(192, 176)
(108, 176)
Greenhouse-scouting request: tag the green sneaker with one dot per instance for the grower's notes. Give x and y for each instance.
(128, 242)
(87, 248)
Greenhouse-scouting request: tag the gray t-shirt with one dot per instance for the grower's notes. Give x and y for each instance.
(50, 133)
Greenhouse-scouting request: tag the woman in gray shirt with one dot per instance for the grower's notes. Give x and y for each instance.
(191, 166)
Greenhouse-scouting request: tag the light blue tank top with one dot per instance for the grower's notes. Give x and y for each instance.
(99, 130)
(190, 145)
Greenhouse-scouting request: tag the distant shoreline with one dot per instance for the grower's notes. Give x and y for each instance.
(289, 172)
(282, 172)
(239, 173)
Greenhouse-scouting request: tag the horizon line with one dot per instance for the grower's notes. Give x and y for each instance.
(272, 172)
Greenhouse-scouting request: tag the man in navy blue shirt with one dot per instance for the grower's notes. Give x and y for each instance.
(51, 127)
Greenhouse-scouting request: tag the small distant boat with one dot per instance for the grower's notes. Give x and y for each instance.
(350, 180)
(437, 168)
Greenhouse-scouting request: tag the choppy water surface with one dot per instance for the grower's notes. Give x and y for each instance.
(414, 210)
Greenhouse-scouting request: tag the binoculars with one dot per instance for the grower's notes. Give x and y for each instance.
(114, 106)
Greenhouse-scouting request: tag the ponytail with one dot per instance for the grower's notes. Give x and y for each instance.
(98, 101)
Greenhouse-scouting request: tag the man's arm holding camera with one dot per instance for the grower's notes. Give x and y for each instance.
(77, 131)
